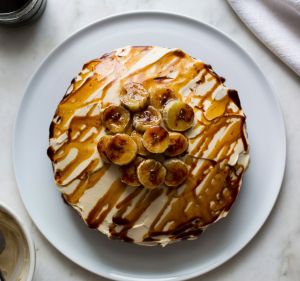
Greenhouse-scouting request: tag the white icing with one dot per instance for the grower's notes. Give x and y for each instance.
(57, 143)
(67, 160)
(203, 88)
(233, 107)
(238, 149)
(82, 166)
(191, 85)
(145, 220)
(220, 93)
(111, 82)
(70, 188)
(88, 134)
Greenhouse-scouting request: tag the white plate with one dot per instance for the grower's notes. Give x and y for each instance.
(121, 261)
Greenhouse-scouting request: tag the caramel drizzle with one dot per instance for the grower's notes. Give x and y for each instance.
(105, 204)
(148, 196)
(212, 185)
(86, 181)
(234, 126)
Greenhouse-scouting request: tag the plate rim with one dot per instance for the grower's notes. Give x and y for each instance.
(196, 272)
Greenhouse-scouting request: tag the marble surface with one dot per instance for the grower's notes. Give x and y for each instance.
(274, 254)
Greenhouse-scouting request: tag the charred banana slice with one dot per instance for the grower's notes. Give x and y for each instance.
(129, 172)
(178, 115)
(115, 118)
(156, 139)
(102, 147)
(160, 97)
(138, 138)
(121, 149)
(134, 96)
(177, 172)
(151, 173)
(150, 117)
(178, 144)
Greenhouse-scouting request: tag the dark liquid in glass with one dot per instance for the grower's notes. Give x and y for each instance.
(7, 6)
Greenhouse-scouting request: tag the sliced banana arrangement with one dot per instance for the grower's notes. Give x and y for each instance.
(129, 172)
(115, 118)
(156, 139)
(121, 149)
(138, 138)
(151, 173)
(134, 96)
(178, 116)
(154, 131)
(160, 97)
(148, 118)
(102, 147)
(178, 144)
(177, 172)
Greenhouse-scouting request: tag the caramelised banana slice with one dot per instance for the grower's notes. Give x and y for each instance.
(178, 144)
(151, 173)
(160, 97)
(134, 96)
(121, 149)
(177, 172)
(149, 117)
(138, 138)
(115, 118)
(102, 147)
(129, 172)
(178, 115)
(156, 139)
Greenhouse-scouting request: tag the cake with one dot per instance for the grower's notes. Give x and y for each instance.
(148, 145)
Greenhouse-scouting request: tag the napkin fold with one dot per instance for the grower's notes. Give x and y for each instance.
(276, 23)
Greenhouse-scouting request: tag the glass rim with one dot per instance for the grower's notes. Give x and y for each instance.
(21, 13)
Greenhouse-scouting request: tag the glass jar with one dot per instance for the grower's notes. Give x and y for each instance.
(19, 12)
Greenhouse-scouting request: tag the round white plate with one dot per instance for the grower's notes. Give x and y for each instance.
(122, 261)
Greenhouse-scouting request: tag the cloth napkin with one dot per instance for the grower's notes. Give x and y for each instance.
(276, 23)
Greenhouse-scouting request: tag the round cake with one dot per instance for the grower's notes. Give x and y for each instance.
(148, 145)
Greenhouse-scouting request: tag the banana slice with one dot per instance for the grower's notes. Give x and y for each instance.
(160, 97)
(150, 117)
(115, 118)
(102, 147)
(178, 144)
(134, 96)
(156, 139)
(177, 172)
(178, 115)
(129, 172)
(138, 138)
(151, 173)
(121, 149)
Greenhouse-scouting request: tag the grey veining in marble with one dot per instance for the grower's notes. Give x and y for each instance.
(274, 254)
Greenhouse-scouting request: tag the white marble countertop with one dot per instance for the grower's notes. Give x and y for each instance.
(274, 254)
